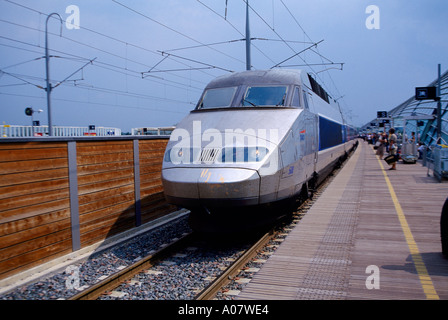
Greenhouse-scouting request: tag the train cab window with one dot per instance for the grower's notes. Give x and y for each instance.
(264, 96)
(217, 98)
(305, 99)
(296, 98)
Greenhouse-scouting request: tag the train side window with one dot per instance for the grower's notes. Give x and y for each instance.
(305, 99)
(296, 98)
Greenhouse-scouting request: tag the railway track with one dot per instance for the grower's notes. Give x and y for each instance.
(227, 276)
(187, 253)
(124, 275)
(165, 256)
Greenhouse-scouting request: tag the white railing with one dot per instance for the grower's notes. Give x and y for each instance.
(17, 131)
(152, 131)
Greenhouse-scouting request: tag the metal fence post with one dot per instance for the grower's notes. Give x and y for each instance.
(74, 203)
(138, 210)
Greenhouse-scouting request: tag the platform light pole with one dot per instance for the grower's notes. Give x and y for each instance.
(30, 112)
(47, 67)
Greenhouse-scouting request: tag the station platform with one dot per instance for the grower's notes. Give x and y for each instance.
(373, 234)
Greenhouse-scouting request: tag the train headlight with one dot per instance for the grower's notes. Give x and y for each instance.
(256, 154)
(243, 154)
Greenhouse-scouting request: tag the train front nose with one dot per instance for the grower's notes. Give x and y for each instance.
(211, 187)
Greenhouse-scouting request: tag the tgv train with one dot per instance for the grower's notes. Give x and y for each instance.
(255, 141)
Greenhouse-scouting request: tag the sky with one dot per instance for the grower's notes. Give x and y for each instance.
(144, 63)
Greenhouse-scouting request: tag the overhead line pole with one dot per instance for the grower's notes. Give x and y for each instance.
(47, 67)
(248, 62)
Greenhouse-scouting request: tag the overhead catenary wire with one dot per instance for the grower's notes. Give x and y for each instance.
(173, 30)
(278, 35)
(235, 28)
(92, 31)
(94, 103)
(124, 42)
(103, 90)
(91, 88)
(18, 77)
(287, 59)
(267, 24)
(72, 74)
(21, 63)
(101, 64)
(128, 70)
(231, 41)
(309, 38)
(96, 88)
(196, 61)
(125, 70)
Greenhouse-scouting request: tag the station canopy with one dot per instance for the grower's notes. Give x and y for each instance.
(419, 116)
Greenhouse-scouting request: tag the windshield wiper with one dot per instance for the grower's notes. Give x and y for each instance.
(281, 103)
(253, 104)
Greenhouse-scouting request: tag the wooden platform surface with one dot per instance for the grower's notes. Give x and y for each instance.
(372, 234)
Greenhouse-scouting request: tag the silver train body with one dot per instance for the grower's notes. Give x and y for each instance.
(256, 139)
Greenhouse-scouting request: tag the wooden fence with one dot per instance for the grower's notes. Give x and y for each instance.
(58, 195)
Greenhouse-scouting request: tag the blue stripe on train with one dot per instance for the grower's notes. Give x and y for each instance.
(330, 133)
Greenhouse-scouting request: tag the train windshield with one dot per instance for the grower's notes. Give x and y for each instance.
(265, 96)
(217, 98)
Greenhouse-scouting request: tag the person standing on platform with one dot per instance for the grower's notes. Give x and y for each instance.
(412, 140)
(421, 149)
(383, 141)
(393, 148)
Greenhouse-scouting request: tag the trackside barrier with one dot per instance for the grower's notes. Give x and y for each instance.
(58, 195)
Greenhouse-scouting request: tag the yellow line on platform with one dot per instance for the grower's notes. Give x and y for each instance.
(422, 272)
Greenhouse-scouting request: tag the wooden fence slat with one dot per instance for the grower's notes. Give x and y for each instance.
(106, 176)
(103, 158)
(22, 242)
(32, 165)
(30, 145)
(33, 211)
(33, 258)
(104, 167)
(32, 188)
(29, 223)
(33, 199)
(35, 176)
(87, 191)
(33, 154)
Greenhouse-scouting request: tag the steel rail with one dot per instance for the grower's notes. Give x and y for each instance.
(127, 273)
(209, 292)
